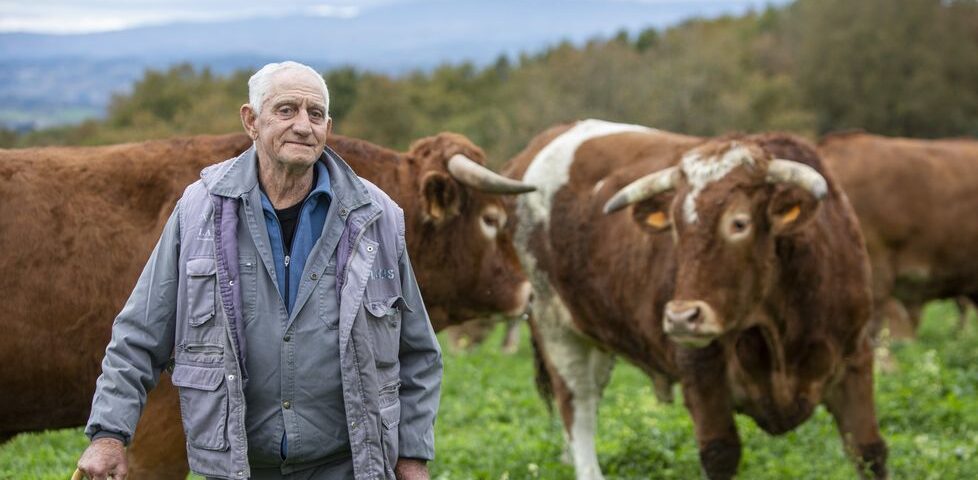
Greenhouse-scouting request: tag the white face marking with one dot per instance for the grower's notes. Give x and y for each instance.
(491, 221)
(701, 172)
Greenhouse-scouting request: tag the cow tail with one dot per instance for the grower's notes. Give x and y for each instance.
(544, 382)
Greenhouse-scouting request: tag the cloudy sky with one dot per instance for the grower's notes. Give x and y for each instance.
(83, 16)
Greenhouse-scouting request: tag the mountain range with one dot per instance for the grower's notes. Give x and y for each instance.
(50, 79)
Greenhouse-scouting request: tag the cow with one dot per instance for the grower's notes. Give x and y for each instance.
(739, 272)
(916, 201)
(77, 224)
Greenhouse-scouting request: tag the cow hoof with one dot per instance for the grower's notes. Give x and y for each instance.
(720, 458)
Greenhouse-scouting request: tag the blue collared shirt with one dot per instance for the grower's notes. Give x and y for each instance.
(308, 228)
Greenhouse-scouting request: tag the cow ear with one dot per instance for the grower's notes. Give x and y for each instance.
(790, 209)
(441, 197)
(652, 214)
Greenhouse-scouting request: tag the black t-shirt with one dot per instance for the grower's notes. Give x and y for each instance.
(288, 218)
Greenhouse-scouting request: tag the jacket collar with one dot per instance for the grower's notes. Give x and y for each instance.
(238, 176)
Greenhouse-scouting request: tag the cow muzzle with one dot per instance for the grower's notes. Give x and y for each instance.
(691, 323)
(524, 296)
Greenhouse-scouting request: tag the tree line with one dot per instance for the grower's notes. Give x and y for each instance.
(895, 67)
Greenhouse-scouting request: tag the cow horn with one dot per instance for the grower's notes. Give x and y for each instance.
(645, 187)
(470, 173)
(787, 171)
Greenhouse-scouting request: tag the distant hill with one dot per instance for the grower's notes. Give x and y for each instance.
(51, 79)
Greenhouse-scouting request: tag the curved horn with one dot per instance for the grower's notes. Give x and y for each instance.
(470, 173)
(645, 187)
(799, 174)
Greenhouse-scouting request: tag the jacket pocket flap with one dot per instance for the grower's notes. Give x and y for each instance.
(201, 378)
(201, 266)
(382, 308)
(390, 416)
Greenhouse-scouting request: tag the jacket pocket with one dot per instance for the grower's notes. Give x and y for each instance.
(390, 419)
(384, 319)
(203, 405)
(201, 290)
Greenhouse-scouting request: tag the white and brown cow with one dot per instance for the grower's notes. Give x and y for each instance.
(77, 224)
(740, 272)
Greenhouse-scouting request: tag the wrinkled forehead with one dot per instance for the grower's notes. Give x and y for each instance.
(295, 84)
(712, 163)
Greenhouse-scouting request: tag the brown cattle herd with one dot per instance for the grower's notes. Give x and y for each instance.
(754, 271)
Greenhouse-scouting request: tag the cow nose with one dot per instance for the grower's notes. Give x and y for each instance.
(684, 313)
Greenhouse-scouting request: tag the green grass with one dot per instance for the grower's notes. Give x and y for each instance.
(492, 425)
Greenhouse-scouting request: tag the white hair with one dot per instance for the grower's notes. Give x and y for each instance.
(259, 82)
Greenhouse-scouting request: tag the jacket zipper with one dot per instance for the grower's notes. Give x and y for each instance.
(196, 348)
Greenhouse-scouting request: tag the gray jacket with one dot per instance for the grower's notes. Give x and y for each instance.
(191, 304)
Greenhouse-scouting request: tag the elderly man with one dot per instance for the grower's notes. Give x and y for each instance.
(282, 291)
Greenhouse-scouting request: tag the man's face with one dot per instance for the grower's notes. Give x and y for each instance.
(292, 127)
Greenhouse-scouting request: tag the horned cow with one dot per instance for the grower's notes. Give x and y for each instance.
(77, 224)
(739, 272)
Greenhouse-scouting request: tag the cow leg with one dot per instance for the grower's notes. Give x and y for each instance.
(663, 387)
(915, 310)
(709, 404)
(511, 341)
(578, 373)
(158, 450)
(965, 305)
(851, 404)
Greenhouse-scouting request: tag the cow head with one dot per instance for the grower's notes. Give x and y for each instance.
(725, 204)
(466, 262)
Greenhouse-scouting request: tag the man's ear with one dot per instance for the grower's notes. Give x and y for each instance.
(790, 209)
(652, 214)
(248, 120)
(440, 197)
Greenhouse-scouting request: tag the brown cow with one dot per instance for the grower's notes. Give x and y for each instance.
(916, 201)
(77, 224)
(740, 273)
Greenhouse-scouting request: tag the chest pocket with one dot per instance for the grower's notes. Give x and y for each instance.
(384, 319)
(202, 301)
(201, 290)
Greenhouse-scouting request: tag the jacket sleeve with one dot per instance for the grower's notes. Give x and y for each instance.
(142, 340)
(421, 368)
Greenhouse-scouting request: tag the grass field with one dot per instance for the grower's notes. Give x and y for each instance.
(492, 425)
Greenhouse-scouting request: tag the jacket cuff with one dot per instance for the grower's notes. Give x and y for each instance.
(108, 434)
(416, 445)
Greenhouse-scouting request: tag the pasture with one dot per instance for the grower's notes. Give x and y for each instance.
(492, 425)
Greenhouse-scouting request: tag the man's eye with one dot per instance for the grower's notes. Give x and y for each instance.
(316, 114)
(286, 110)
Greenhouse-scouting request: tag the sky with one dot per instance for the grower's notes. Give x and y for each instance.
(86, 16)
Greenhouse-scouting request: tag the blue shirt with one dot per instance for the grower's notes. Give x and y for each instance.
(312, 217)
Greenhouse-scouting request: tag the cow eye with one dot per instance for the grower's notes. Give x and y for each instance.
(491, 220)
(738, 227)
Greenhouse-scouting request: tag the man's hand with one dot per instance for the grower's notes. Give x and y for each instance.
(411, 469)
(105, 458)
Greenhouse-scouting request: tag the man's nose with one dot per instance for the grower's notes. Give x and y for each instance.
(302, 125)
